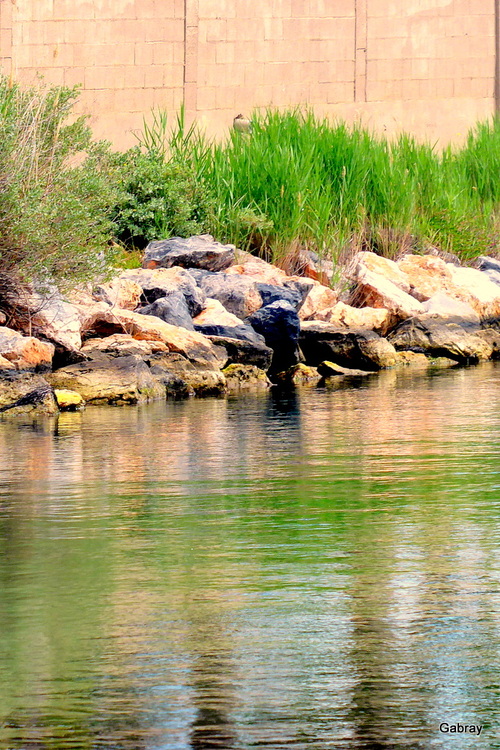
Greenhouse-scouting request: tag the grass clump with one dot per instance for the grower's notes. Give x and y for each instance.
(57, 187)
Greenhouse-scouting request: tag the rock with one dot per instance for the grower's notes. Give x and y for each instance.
(259, 271)
(426, 275)
(476, 288)
(371, 289)
(3, 318)
(191, 344)
(5, 364)
(69, 400)
(318, 298)
(215, 314)
(195, 378)
(441, 338)
(492, 338)
(388, 269)
(215, 320)
(201, 251)
(245, 377)
(120, 292)
(238, 294)
(330, 369)
(172, 309)
(358, 349)
(241, 351)
(298, 375)
(300, 286)
(122, 345)
(371, 318)
(279, 324)
(25, 352)
(26, 393)
(112, 380)
(270, 293)
(162, 282)
(489, 266)
(413, 359)
(51, 317)
(441, 305)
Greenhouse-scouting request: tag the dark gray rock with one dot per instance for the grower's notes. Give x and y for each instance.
(172, 309)
(300, 286)
(201, 251)
(355, 349)
(442, 338)
(238, 293)
(243, 351)
(279, 324)
(271, 293)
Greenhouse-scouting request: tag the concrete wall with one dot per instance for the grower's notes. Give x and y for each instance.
(426, 66)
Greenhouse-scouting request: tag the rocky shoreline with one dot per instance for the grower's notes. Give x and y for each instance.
(201, 318)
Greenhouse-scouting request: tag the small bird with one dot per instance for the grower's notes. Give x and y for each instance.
(242, 124)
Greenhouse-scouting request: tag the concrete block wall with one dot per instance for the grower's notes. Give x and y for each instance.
(426, 66)
(128, 55)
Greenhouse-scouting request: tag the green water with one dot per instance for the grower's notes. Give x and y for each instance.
(317, 570)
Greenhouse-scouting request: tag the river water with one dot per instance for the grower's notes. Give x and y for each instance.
(315, 570)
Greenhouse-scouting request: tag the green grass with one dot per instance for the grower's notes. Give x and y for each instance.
(301, 182)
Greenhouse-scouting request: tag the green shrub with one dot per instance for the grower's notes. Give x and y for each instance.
(161, 198)
(57, 186)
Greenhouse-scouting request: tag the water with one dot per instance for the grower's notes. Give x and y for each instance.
(318, 570)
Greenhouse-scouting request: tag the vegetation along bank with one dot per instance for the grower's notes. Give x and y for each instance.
(354, 254)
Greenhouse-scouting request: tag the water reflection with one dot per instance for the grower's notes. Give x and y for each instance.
(317, 569)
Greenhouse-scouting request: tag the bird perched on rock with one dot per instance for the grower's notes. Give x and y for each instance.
(242, 124)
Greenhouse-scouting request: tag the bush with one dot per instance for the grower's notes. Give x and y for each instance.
(164, 193)
(161, 198)
(57, 186)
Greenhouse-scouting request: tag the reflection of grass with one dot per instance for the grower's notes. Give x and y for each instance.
(301, 182)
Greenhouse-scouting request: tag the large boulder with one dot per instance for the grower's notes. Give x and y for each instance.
(237, 293)
(319, 297)
(172, 309)
(51, 317)
(489, 266)
(380, 283)
(279, 324)
(358, 349)
(215, 320)
(25, 352)
(442, 338)
(243, 351)
(122, 345)
(172, 368)
(190, 344)
(271, 293)
(241, 377)
(441, 305)
(342, 315)
(121, 292)
(113, 380)
(201, 251)
(259, 271)
(428, 275)
(164, 281)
